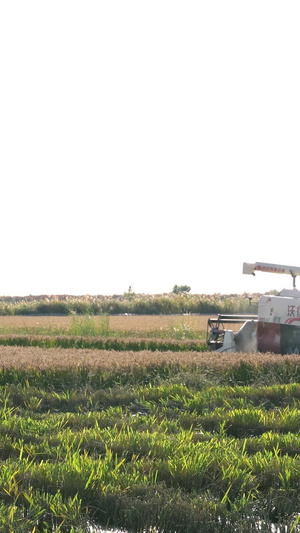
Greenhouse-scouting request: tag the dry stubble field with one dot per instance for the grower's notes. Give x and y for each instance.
(123, 322)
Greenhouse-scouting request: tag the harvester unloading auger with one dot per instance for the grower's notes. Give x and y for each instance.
(276, 327)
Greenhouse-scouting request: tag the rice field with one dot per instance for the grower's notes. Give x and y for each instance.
(123, 323)
(146, 441)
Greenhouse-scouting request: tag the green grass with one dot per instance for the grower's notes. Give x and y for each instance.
(176, 448)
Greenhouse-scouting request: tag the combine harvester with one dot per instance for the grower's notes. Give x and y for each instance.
(276, 327)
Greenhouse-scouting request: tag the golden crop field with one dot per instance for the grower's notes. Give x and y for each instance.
(123, 322)
(44, 358)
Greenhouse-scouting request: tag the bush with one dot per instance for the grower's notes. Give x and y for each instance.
(140, 304)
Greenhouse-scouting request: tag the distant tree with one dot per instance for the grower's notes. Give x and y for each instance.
(178, 289)
(130, 294)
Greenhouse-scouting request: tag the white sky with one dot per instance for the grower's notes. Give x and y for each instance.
(148, 143)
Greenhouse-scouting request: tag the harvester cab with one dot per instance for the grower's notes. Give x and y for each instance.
(276, 327)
